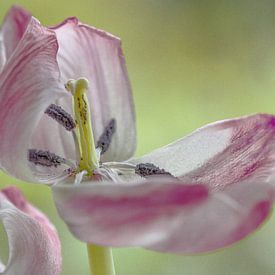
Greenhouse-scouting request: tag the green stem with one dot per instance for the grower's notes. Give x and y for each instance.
(100, 260)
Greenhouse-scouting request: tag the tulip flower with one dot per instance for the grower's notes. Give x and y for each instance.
(67, 119)
(200, 193)
(34, 246)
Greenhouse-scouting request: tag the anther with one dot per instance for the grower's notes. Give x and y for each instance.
(45, 158)
(61, 116)
(149, 169)
(106, 137)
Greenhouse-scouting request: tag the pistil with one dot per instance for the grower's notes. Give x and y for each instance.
(88, 158)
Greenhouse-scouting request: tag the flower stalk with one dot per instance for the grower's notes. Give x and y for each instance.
(100, 260)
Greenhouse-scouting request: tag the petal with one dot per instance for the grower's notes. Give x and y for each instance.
(88, 52)
(2, 52)
(13, 28)
(221, 153)
(33, 241)
(116, 214)
(29, 82)
(163, 216)
(226, 217)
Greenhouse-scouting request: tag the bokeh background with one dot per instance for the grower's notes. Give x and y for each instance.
(190, 63)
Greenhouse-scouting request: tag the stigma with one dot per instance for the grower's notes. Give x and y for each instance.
(87, 151)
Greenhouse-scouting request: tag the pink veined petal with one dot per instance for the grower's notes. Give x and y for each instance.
(29, 82)
(13, 28)
(226, 217)
(221, 153)
(85, 51)
(132, 214)
(163, 216)
(34, 246)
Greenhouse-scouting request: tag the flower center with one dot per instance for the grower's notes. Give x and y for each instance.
(84, 133)
(87, 153)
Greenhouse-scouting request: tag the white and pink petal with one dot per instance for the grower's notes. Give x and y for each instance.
(88, 52)
(163, 214)
(13, 28)
(34, 246)
(225, 218)
(221, 153)
(2, 53)
(129, 214)
(29, 82)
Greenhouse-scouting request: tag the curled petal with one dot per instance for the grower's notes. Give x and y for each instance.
(88, 52)
(34, 246)
(221, 153)
(163, 216)
(29, 82)
(13, 28)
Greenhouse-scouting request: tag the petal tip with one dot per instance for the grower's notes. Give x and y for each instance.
(74, 21)
(15, 196)
(16, 10)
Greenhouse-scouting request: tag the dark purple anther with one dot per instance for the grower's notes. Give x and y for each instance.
(45, 158)
(149, 169)
(106, 138)
(61, 116)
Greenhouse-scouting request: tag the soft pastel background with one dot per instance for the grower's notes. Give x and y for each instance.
(190, 63)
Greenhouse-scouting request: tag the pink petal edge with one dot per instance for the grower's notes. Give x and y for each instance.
(33, 241)
(13, 28)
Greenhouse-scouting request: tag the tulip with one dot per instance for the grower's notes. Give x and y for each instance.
(67, 120)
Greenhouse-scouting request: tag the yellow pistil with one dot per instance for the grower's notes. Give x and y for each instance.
(88, 158)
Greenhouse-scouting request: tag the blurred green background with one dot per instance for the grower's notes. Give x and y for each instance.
(190, 63)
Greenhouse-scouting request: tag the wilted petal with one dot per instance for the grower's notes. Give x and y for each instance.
(221, 153)
(125, 214)
(33, 242)
(28, 84)
(88, 52)
(13, 28)
(170, 217)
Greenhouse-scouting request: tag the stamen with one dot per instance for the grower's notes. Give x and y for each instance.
(149, 169)
(106, 138)
(61, 116)
(45, 158)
